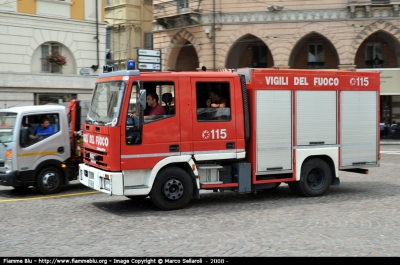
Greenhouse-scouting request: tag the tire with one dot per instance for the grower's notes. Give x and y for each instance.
(315, 178)
(172, 189)
(49, 180)
(294, 187)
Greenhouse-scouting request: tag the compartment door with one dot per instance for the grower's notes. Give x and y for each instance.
(274, 130)
(359, 128)
(316, 118)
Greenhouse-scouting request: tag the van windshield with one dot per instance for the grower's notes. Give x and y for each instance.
(106, 103)
(7, 124)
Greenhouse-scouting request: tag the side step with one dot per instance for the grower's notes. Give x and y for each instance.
(356, 170)
(209, 167)
(211, 182)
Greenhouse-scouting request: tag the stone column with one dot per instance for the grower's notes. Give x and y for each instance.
(281, 66)
(347, 66)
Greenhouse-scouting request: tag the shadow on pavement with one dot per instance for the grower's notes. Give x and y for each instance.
(233, 202)
(12, 193)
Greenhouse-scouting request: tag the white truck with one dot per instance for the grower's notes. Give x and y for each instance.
(48, 162)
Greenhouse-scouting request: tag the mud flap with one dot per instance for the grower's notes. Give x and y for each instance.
(335, 181)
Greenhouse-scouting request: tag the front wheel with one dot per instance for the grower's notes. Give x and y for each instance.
(49, 180)
(172, 189)
(315, 178)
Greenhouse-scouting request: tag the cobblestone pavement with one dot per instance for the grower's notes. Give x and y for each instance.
(361, 217)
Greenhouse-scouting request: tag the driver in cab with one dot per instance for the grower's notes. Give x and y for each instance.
(42, 129)
(153, 108)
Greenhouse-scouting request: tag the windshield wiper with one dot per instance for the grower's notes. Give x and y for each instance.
(99, 122)
(94, 122)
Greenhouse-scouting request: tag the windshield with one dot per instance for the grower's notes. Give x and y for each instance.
(7, 124)
(106, 103)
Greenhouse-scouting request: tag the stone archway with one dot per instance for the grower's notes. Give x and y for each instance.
(249, 51)
(182, 53)
(314, 51)
(378, 32)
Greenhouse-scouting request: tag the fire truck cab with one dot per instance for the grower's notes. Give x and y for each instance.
(264, 127)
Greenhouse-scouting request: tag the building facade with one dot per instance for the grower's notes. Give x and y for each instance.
(129, 29)
(30, 31)
(336, 34)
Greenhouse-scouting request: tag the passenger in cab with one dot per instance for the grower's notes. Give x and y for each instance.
(215, 100)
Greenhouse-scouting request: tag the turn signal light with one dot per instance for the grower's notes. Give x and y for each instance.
(8, 154)
(106, 176)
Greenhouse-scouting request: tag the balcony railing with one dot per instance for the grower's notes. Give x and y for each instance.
(170, 14)
(369, 2)
(369, 5)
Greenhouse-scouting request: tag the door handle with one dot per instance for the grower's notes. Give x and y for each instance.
(230, 145)
(174, 148)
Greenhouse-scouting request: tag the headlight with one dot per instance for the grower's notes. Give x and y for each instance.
(107, 184)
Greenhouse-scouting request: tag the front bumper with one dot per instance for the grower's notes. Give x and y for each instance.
(104, 181)
(10, 179)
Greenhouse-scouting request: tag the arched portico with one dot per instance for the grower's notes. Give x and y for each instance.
(249, 51)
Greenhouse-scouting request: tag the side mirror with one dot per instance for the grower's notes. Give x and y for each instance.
(142, 99)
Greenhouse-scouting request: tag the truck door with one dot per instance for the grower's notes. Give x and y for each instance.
(214, 126)
(51, 142)
(158, 135)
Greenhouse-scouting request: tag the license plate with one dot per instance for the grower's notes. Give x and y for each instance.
(91, 183)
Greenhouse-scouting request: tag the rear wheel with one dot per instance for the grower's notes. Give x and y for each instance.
(172, 189)
(49, 180)
(315, 179)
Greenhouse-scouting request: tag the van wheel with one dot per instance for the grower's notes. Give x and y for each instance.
(315, 178)
(49, 180)
(172, 189)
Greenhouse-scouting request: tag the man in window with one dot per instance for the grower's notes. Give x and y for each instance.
(42, 129)
(153, 107)
(215, 100)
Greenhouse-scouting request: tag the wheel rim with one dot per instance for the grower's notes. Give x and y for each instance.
(315, 179)
(50, 181)
(172, 189)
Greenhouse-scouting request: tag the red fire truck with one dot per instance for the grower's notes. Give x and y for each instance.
(299, 127)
